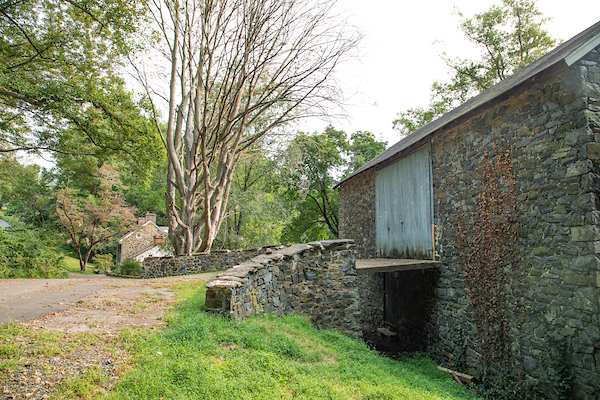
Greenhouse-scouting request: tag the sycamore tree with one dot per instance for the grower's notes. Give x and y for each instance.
(94, 219)
(239, 69)
(510, 36)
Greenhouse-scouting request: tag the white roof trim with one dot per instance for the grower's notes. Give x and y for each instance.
(151, 247)
(148, 222)
(582, 50)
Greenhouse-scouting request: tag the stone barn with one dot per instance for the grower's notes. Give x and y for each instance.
(403, 207)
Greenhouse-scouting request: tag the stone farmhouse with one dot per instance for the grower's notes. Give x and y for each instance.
(144, 241)
(404, 205)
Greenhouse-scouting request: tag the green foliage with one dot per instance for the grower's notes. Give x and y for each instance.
(59, 86)
(561, 374)
(363, 147)
(146, 191)
(25, 253)
(25, 191)
(315, 160)
(257, 211)
(210, 357)
(130, 267)
(104, 262)
(315, 164)
(509, 36)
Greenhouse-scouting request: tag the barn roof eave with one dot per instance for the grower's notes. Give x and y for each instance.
(570, 51)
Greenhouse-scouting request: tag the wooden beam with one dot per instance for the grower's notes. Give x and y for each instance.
(373, 265)
(462, 377)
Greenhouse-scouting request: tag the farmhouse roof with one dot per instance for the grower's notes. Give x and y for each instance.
(570, 51)
(163, 229)
(152, 246)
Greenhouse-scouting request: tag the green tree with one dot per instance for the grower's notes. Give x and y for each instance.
(58, 76)
(257, 211)
(363, 148)
(26, 252)
(93, 219)
(25, 191)
(315, 164)
(317, 161)
(510, 36)
(146, 191)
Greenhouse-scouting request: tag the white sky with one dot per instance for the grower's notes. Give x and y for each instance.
(399, 60)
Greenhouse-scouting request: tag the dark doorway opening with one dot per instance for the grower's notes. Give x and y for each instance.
(408, 300)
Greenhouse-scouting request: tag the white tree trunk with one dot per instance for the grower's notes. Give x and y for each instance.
(238, 70)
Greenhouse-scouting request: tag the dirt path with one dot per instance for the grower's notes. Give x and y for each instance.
(69, 327)
(23, 300)
(28, 299)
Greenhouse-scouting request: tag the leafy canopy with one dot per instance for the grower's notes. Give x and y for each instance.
(59, 81)
(315, 164)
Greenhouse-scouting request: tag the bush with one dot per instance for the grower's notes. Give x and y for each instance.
(104, 262)
(24, 253)
(130, 267)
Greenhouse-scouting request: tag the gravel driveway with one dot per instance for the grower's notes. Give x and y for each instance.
(23, 300)
(86, 315)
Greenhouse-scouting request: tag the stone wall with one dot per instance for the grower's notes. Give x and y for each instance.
(551, 126)
(371, 293)
(216, 260)
(357, 213)
(318, 280)
(357, 222)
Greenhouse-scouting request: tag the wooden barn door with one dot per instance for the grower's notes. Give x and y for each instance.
(404, 207)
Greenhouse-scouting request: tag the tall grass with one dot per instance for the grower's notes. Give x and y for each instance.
(204, 356)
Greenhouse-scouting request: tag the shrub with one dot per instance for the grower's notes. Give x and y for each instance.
(131, 267)
(104, 262)
(24, 253)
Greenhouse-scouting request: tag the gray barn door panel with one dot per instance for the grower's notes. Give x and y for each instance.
(403, 207)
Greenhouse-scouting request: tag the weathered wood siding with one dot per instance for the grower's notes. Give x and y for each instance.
(403, 207)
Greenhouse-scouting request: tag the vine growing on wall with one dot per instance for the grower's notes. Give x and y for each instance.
(486, 241)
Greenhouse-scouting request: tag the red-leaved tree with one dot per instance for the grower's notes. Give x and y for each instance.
(91, 220)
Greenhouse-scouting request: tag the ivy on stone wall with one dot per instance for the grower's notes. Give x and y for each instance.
(487, 243)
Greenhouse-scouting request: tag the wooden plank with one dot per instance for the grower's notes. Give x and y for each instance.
(373, 265)
(386, 332)
(463, 377)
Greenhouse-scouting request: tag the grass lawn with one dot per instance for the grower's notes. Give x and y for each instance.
(205, 356)
(73, 265)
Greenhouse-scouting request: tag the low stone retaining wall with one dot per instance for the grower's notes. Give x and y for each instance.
(216, 260)
(317, 279)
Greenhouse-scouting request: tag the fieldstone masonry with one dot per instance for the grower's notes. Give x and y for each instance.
(357, 213)
(552, 128)
(551, 125)
(317, 279)
(141, 238)
(216, 260)
(357, 222)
